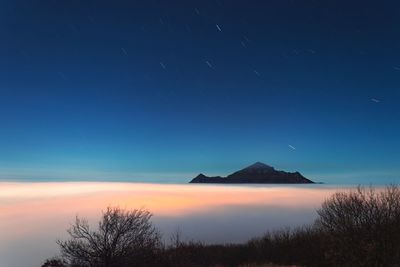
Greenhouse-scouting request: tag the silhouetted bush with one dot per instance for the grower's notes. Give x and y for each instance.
(362, 227)
(355, 228)
(123, 238)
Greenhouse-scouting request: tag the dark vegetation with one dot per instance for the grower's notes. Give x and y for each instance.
(356, 228)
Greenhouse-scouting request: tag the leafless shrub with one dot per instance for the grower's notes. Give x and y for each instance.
(123, 238)
(362, 227)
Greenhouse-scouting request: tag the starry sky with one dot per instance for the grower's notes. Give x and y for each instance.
(158, 91)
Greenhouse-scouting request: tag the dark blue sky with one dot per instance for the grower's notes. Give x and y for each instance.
(162, 90)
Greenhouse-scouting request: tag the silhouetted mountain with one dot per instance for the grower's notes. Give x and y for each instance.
(258, 173)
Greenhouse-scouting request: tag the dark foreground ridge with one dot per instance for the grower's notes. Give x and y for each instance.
(258, 173)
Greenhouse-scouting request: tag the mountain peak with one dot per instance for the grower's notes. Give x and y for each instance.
(259, 165)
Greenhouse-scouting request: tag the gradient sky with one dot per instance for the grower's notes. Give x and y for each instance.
(157, 91)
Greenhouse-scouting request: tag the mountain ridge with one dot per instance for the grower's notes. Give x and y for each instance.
(257, 173)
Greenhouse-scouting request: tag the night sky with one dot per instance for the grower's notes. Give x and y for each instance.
(158, 91)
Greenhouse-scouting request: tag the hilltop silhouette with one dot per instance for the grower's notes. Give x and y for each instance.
(257, 173)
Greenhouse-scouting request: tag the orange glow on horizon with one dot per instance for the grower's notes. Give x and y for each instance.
(160, 199)
(41, 212)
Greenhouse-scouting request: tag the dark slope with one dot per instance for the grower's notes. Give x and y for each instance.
(258, 173)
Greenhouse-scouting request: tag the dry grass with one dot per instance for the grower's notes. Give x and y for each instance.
(268, 265)
(262, 265)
